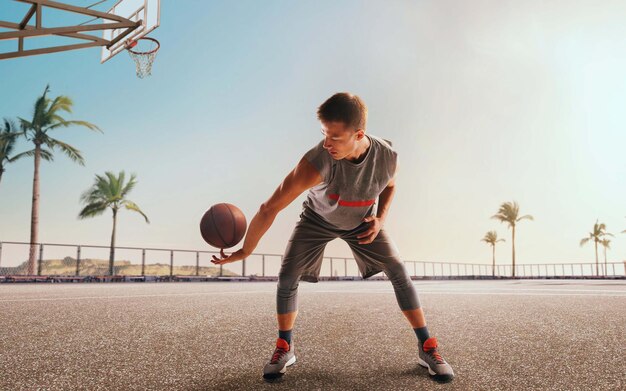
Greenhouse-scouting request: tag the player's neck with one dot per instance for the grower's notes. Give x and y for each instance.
(361, 151)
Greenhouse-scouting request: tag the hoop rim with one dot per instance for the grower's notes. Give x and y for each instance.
(129, 47)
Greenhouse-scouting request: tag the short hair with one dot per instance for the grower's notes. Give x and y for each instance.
(344, 107)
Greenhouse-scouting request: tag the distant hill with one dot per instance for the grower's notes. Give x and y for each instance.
(98, 267)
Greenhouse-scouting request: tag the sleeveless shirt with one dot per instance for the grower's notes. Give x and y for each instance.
(349, 191)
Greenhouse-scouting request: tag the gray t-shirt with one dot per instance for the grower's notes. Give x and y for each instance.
(349, 191)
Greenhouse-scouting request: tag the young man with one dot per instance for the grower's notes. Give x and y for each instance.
(345, 174)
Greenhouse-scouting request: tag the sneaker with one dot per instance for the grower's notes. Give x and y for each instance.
(283, 357)
(431, 359)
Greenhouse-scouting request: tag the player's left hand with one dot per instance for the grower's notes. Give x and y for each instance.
(376, 224)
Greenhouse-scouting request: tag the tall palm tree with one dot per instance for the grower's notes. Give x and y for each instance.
(109, 191)
(606, 243)
(46, 119)
(8, 136)
(491, 238)
(508, 213)
(598, 233)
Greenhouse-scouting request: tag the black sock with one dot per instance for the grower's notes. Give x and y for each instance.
(422, 333)
(285, 334)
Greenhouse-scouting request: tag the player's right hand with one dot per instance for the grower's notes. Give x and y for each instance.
(236, 256)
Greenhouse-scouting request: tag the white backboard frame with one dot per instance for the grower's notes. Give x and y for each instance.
(148, 11)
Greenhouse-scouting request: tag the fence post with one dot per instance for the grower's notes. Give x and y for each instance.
(171, 263)
(345, 266)
(78, 261)
(143, 262)
(263, 265)
(40, 259)
(612, 265)
(221, 270)
(331, 267)
(197, 263)
(0, 253)
(243, 268)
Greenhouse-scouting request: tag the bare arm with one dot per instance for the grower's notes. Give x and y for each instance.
(384, 203)
(385, 198)
(301, 178)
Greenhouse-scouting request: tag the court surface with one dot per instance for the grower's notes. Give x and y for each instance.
(497, 335)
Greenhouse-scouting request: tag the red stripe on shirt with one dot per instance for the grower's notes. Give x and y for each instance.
(351, 203)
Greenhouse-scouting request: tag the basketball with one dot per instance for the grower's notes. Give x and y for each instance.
(223, 225)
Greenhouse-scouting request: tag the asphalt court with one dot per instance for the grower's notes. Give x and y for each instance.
(506, 334)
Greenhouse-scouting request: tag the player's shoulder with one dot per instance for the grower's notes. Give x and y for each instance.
(383, 144)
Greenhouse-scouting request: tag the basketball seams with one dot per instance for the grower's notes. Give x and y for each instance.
(234, 220)
(217, 228)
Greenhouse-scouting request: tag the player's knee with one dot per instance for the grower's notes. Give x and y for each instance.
(397, 272)
(287, 282)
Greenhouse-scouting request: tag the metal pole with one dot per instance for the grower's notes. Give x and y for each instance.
(0, 252)
(40, 259)
(243, 268)
(345, 266)
(143, 262)
(197, 263)
(473, 274)
(612, 265)
(263, 265)
(78, 260)
(582, 272)
(331, 266)
(171, 263)
(221, 270)
(415, 268)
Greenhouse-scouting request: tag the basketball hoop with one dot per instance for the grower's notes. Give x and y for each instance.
(143, 51)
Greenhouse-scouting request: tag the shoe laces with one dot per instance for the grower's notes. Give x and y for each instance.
(435, 354)
(278, 353)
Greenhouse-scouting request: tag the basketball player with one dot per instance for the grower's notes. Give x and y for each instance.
(344, 173)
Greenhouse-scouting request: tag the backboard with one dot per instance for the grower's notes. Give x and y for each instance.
(146, 11)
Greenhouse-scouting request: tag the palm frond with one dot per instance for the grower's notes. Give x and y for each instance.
(64, 124)
(67, 149)
(92, 210)
(130, 185)
(584, 241)
(528, 217)
(132, 206)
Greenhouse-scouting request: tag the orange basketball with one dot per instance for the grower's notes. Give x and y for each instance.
(223, 225)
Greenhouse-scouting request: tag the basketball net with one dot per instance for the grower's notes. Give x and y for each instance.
(143, 51)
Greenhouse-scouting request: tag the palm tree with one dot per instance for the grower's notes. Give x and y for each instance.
(491, 238)
(508, 213)
(598, 233)
(47, 118)
(109, 191)
(8, 137)
(606, 243)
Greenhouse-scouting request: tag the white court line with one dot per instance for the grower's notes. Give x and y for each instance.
(482, 293)
(129, 296)
(515, 290)
(324, 291)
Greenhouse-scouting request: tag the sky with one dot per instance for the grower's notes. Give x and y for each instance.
(485, 102)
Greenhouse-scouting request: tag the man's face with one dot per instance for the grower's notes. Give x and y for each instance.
(340, 140)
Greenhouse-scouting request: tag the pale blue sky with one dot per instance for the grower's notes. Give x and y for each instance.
(485, 101)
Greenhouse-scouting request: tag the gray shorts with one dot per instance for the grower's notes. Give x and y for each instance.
(305, 251)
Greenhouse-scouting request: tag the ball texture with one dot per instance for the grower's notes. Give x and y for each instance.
(223, 225)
